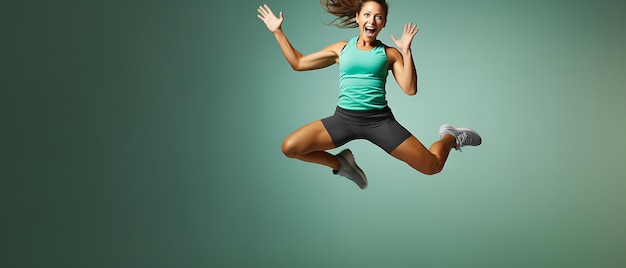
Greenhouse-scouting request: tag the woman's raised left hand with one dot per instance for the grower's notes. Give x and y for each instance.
(404, 43)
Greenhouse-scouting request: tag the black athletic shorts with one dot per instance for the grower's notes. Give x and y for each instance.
(378, 126)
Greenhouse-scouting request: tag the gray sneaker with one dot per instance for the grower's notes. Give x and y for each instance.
(350, 170)
(464, 136)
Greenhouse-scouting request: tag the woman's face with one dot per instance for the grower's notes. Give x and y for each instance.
(371, 20)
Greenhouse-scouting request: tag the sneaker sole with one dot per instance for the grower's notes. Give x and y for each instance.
(461, 129)
(350, 159)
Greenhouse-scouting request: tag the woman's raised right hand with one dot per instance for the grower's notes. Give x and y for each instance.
(272, 22)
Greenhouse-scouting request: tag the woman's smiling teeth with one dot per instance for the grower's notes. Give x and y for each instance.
(370, 30)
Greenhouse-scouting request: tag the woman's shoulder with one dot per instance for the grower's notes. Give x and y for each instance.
(393, 54)
(337, 46)
(391, 50)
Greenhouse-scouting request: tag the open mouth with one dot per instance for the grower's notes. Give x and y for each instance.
(370, 30)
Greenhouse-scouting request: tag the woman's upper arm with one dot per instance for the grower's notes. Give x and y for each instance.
(321, 59)
(405, 76)
(396, 65)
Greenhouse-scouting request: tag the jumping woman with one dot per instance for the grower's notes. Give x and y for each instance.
(362, 111)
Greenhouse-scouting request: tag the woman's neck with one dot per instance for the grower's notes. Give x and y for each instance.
(363, 44)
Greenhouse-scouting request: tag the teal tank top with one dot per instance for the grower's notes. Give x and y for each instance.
(363, 74)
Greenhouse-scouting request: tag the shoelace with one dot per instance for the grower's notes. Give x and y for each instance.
(461, 140)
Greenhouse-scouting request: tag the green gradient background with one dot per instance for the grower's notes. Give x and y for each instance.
(147, 134)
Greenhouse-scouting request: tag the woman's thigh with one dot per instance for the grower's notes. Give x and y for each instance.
(309, 138)
(415, 154)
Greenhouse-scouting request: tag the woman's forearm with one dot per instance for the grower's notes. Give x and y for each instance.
(291, 54)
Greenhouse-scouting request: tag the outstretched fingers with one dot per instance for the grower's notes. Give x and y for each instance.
(264, 11)
(267, 16)
(410, 27)
(409, 31)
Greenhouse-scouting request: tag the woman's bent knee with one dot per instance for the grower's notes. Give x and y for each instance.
(431, 172)
(432, 169)
(290, 148)
(310, 138)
